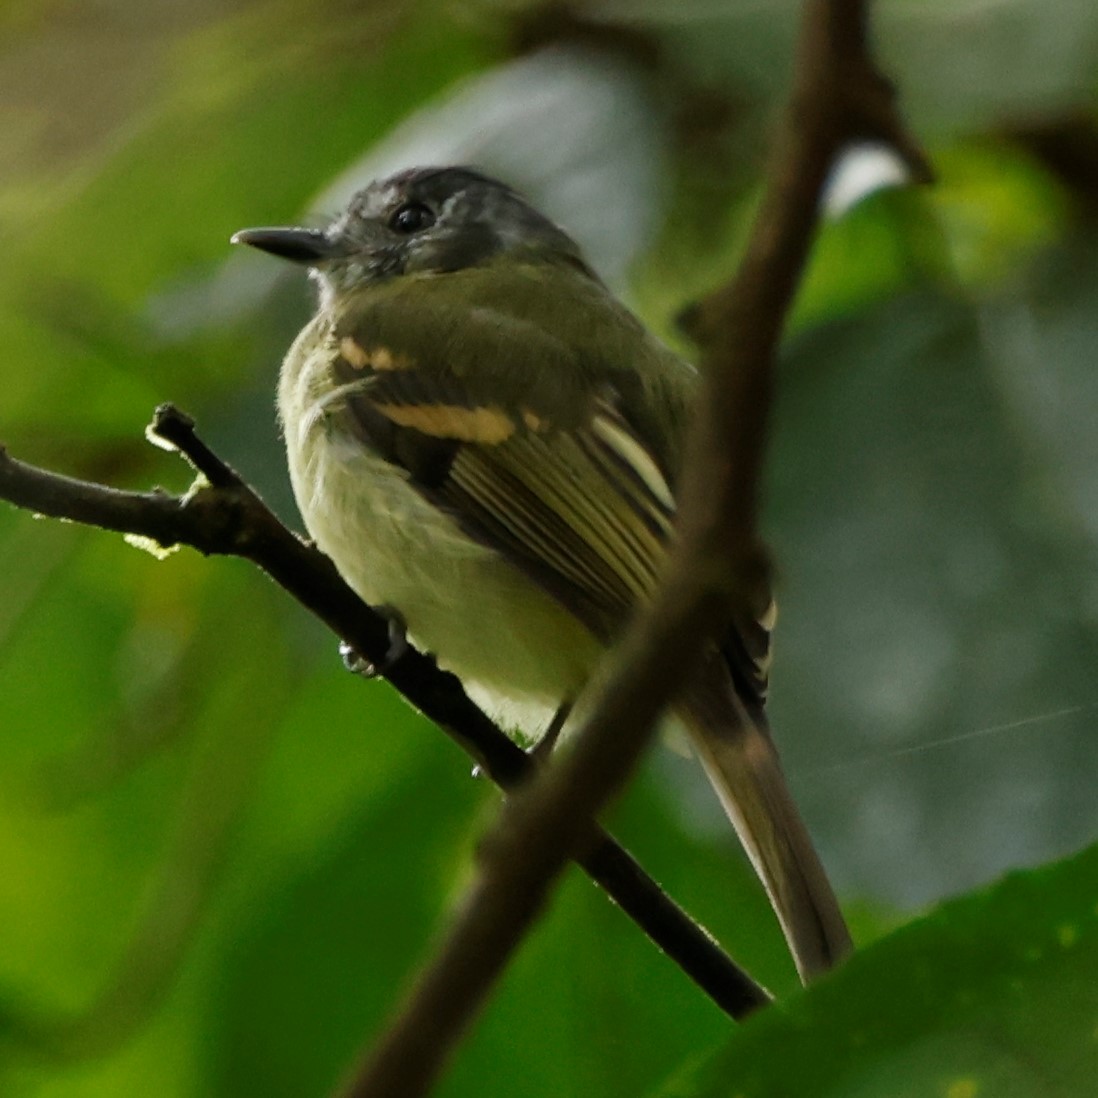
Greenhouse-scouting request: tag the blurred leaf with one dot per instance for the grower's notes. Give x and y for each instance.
(960, 64)
(999, 208)
(926, 609)
(594, 1009)
(320, 956)
(886, 244)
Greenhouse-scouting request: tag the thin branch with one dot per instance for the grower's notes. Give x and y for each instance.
(838, 95)
(226, 517)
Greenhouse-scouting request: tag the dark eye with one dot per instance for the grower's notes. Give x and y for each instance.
(411, 217)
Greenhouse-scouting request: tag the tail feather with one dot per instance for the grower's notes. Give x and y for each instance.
(742, 763)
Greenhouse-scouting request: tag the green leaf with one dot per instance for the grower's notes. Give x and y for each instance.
(994, 994)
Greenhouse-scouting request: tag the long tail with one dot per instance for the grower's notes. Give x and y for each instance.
(742, 763)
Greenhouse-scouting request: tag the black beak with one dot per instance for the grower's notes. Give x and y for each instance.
(309, 246)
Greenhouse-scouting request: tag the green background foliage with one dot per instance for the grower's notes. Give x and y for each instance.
(221, 857)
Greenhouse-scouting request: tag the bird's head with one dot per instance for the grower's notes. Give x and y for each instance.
(426, 220)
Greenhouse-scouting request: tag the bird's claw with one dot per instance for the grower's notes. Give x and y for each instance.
(358, 664)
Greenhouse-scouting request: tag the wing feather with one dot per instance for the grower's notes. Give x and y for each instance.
(565, 471)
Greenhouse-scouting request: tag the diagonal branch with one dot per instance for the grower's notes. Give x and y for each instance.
(838, 96)
(222, 515)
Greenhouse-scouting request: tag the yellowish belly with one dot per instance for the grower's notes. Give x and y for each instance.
(513, 646)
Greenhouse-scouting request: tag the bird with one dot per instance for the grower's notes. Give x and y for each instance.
(487, 443)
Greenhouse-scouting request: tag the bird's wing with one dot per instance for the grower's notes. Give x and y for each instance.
(561, 465)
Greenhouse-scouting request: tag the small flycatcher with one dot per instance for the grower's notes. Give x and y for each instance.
(487, 442)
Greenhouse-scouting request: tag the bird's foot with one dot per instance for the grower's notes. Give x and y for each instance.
(358, 664)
